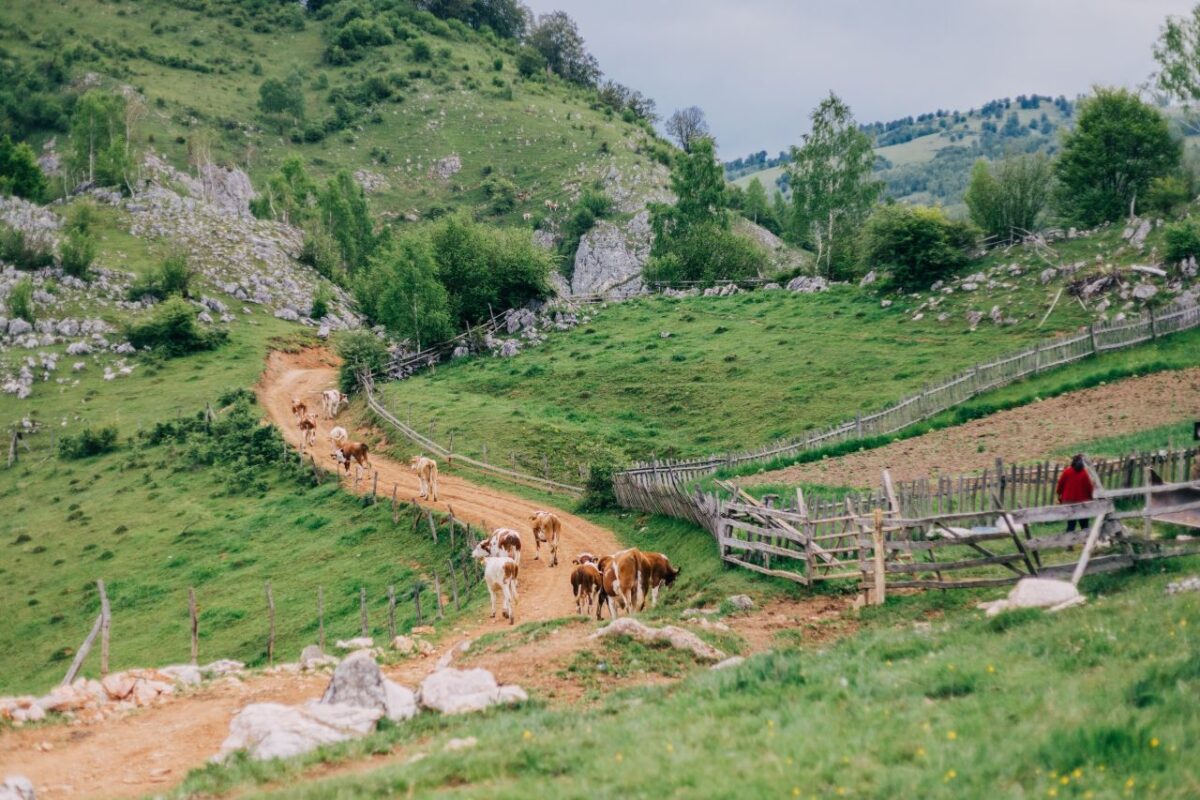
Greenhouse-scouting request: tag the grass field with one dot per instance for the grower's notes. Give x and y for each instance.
(928, 700)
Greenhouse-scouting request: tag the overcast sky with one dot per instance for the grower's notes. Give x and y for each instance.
(757, 67)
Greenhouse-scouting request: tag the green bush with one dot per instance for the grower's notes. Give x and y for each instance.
(19, 171)
(1182, 240)
(20, 300)
(172, 277)
(77, 252)
(1167, 194)
(171, 330)
(501, 192)
(598, 493)
(920, 245)
(21, 251)
(706, 253)
(592, 206)
(359, 350)
(321, 302)
(88, 442)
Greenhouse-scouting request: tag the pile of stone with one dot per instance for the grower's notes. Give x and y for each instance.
(357, 697)
(90, 700)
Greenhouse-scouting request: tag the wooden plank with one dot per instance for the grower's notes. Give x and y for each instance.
(776, 573)
(977, 583)
(760, 547)
(931, 544)
(1095, 565)
(1061, 513)
(1057, 542)
(83, 651)
(762, 530)
(954, 566)
(1093, 535)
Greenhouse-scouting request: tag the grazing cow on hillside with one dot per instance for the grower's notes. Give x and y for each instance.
(332, 401)
(501, 576)
(656, 572)
(585, 586)
(546, 528)
(348, 452)
(337, 435)
(427, 474)
(299, 409)
(308, 431)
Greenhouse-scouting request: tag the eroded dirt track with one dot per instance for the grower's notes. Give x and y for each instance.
(1029, 433)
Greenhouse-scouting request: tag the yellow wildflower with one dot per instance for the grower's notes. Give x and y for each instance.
(1154, 742)
(950, 775)
(952, 735)
(527, 735)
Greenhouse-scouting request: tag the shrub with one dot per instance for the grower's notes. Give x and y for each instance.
(1182, 240)
(321, 301)
(359, 350)
(501, 192)
(171, 330)
(420, 50)
(88, 442)
(918, 244)
(706, 253)
(598, 493)
(1167, 194)
(22, 251)
(19, 171)
(20, 300)
(172, 277)
(77, 252)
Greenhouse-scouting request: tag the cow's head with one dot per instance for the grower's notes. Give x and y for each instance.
(483, 550)
(338, 456)
(414, 463)
(672, 574)
(584, 558)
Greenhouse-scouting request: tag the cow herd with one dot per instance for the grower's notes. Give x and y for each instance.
(621, 581)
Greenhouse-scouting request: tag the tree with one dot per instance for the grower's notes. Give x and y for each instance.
(19, 171)
(1118, 146)
(686, 125)
(507, 18)
(290, 194)
(282, 101)
(832, 189)
(699, 186)
(1006, 200)
(556, 37)
(97, 148)
(918, 244)
(400, 290)
(756, 207)
(345, 215)
(1177, 52)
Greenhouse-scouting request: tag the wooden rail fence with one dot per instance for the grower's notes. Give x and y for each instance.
(646, 485)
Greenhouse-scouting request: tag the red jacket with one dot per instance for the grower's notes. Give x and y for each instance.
(1074, 486)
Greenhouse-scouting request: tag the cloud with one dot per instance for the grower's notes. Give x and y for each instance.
(758, 67)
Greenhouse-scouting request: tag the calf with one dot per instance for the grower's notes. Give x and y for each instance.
(503, 541)
(656, 572)
(500, 575)
(427, 474)
(332, 401)
(584, 558)
(585, 585)
(608, 594)
(347, 452)
(627, 579)
(308, 431)
(299, 409)
(546, 528)
(337, 435)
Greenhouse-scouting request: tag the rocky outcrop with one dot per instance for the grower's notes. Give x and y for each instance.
(357, 681)
(610, 258)
(671, 635)
(272, 730)
(460, 691)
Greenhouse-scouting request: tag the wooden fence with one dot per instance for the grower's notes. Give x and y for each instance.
(634, 484)
(971, 532)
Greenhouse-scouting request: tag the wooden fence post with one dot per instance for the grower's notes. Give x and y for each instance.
(880, 575)
(195, 625)
(416, 595)
(271, 622)
(391, 612)
(450, 451)
(437, 591)
(375, 488)
(432, 526)
(453, 583)
(316, 472)
(362, 611)
(395, 507)
(105, 623)
(321, 618)
(84, 649)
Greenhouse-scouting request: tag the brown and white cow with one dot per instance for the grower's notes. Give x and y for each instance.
(656, 572)
(308, 431)
(352, 452)
(608, 594)
(627, 578)
(546, 528)
(500, 575)
(585, 586)
(502, 542)
(337, 435)
(332, 401)
(299, 409)
(427, 474)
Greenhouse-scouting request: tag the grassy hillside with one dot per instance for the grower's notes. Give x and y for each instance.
(929, 700)
(200, 66)
(737, 372)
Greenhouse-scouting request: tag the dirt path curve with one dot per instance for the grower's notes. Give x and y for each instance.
(545, 592)
(1028, 433)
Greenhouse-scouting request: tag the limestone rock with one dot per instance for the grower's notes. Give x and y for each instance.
(741, 602)
(1191, 584)
(1047, 593)
(16, 787)
(357, 681)
(183, 674)
(974, 318)
(401, 701)
(312, 657)
(732, 661)
(459, 691)
(610, 258)
(224, 666)
(670, 634)
(1144, 291)
(807, 284)
(403, 645)
(271, 730)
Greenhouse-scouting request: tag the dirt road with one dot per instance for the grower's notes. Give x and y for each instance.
(1022, 434)
(545, 592)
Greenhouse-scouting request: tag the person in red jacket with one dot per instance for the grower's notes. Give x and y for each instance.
(1075, 486)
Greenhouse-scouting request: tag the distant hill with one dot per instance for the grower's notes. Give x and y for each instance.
(928, 158)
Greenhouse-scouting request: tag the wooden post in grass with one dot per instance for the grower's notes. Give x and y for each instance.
(362, 611)
(316, 472)
(84, 649)
(880, 576)
(416, 595)
(432, 526)
(271, 623)
(453, 583)
(437, 591)
(375, 488)
(485, 453)
(450, 451)
(321, 618)
(391, 612)
(1146, 526)
(195, 625)
(395, 508)
(105, 624)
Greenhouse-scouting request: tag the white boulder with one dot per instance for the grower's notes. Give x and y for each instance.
(1047, 593)
(271, 730)
(459, 691)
